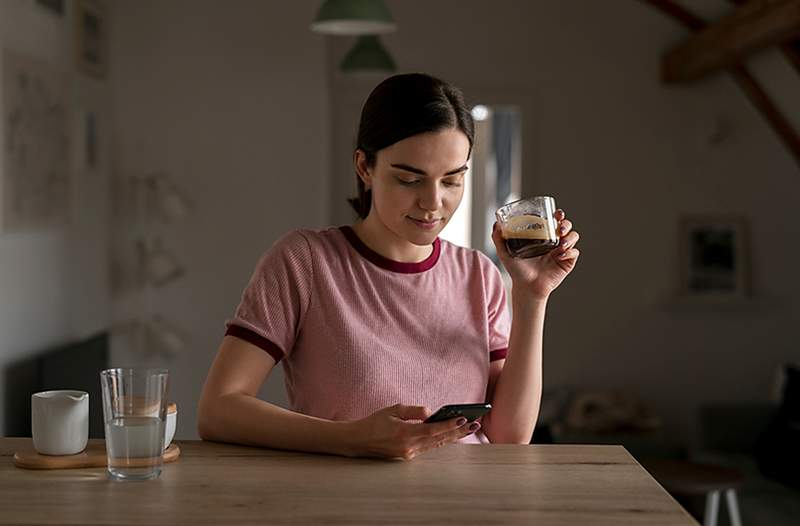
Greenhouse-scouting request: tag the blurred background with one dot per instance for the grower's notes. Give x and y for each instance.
(154, 149)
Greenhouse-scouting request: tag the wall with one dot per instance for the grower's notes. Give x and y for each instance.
(53, 282)
(625, 156)
(231, 100)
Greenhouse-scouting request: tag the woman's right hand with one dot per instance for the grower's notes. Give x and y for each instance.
(389, 434)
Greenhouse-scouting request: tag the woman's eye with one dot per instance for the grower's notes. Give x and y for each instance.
(452, 184)
(408, 183)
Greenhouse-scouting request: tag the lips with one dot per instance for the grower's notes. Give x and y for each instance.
(427, 225)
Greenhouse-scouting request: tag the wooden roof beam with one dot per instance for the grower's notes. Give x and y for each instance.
(791, 50)
(753, 25)
(749, 85)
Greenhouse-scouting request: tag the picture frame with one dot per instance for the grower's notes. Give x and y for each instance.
(91, 37)
(714, 257)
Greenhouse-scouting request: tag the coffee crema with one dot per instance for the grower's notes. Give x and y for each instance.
(528, 236)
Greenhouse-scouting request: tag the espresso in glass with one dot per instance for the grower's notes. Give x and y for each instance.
(529, 227)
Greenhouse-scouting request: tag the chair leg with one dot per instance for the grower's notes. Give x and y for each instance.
(712, 508)
(733, 507)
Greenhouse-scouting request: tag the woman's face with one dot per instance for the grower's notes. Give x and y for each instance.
(417, 183)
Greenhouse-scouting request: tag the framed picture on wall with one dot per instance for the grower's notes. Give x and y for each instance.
(714, 257)
(91, 38)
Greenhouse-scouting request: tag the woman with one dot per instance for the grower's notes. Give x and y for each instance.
(380, 323)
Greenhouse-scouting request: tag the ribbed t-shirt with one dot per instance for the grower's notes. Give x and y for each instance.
(357, 332)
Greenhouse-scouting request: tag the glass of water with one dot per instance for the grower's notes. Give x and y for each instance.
(135, 413)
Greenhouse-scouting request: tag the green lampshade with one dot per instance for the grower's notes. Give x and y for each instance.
(368, 55)
(353, 17)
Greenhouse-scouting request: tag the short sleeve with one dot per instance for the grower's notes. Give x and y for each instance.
(275, 301)
(497, 313)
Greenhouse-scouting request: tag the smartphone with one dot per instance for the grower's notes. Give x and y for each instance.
(469, 411)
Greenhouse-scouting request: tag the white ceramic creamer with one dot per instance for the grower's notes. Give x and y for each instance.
(60, 422)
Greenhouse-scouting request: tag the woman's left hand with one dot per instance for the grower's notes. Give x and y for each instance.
(540, 276)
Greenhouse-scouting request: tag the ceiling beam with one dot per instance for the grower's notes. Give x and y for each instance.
(745, 80)
(752, 26)
(791, 50)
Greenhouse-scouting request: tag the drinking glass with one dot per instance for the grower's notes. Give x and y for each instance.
(134, 411)
(529, 226)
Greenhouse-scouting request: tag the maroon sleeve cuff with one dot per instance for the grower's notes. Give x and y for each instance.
(499, 354)
(257, 340)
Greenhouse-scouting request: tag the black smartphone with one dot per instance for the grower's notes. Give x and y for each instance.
(469, 411)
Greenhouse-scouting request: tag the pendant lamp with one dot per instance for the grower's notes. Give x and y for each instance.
(353, 17)
(368, 56)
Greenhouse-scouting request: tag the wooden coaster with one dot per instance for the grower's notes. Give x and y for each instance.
(94, 456)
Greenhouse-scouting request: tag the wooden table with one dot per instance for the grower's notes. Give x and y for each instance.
(457, 484)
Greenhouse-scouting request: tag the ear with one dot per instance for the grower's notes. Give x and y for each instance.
(362, 170)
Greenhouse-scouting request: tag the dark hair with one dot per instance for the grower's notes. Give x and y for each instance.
(400, 107)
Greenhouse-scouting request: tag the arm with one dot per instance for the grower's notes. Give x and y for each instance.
(230, 412)
(515, 387)
(515, 384)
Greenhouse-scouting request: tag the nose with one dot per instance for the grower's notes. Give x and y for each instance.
(430, 197)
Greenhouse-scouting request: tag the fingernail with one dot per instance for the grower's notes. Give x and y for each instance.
(564, 255)
(474, 427)
(461, 421)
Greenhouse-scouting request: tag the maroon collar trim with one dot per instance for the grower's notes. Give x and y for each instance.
(390, 264)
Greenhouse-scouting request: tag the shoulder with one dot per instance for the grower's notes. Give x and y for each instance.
(305, 240)
(298, 248)
(468, 259)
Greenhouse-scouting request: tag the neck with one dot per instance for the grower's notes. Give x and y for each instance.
(388, 244)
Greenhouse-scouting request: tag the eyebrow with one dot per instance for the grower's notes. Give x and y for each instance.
(411, 169)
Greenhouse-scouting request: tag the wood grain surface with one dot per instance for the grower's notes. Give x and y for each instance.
(456, 484)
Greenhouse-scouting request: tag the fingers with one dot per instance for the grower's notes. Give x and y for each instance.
(571, 254)
(569, 241)
(439, 428)
(455, 429)
(410, 412)
(569, 238)
(499, 242)
(448, 437)
(432, 436)
(564, 227)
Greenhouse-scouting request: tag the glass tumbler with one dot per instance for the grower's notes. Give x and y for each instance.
(529, 226)
(135, 413)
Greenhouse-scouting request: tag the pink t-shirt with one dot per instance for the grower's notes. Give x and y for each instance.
(357, 332)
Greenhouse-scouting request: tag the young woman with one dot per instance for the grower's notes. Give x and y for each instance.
(380, 323)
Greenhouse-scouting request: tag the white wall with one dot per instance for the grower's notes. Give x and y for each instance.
(231, 100)
(53, 286)
(625, 156)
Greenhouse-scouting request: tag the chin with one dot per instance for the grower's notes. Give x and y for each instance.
(422, 238)
(415, 235)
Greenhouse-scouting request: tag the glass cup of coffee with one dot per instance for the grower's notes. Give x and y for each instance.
(529, 226)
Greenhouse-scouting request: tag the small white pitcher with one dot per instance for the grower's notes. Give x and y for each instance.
(60, 422)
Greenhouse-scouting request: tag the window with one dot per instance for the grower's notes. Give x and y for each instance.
(493, 179)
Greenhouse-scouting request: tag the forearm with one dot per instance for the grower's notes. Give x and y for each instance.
(244, 419)
(518, 391)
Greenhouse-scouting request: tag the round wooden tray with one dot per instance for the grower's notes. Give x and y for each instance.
(94, 456)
